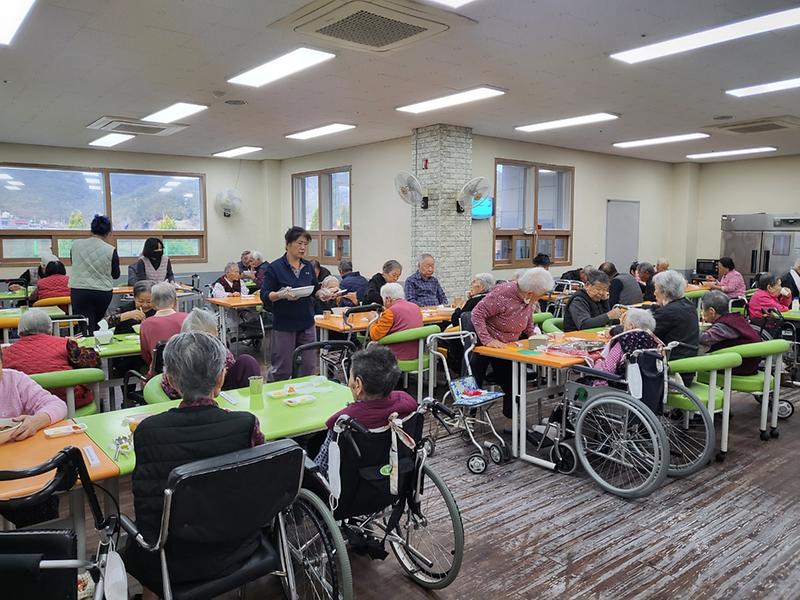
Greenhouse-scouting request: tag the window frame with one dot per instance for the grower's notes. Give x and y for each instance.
(320, 235)
(550, 235)
(56, 234)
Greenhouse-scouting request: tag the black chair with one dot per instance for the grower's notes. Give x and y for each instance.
(130, 396)
(215, 501)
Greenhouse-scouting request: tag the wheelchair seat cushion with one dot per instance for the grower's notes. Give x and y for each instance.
(742, 383)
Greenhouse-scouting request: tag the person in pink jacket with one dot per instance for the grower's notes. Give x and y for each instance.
(730, 280)
(769, 295)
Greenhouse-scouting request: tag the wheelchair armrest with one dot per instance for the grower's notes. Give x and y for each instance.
(597, 373)
(130, 528)
(135, 375)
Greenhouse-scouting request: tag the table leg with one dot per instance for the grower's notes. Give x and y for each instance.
(323, 337)
(223, 325)
(765, 393)
(726, 410)
(6, 334)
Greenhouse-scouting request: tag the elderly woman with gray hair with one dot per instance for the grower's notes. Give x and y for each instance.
(676, 316)
(480, 285)
(38, 351)
(637, 334)
(165, 323)
(237, 370)
(194, 364)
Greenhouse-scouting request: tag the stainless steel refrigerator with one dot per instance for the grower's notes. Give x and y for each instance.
(761, 242)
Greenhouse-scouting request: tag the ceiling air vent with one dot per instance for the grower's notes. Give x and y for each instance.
(135, 126)
(765, 125)
(370, 25)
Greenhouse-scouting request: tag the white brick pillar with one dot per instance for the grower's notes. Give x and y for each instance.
(440, 230)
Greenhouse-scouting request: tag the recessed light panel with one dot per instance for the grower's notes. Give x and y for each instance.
(112, 139)
(480, 93)
(710, 37)
(765, 88)
(453, 3)
(724, 153)
(237, 151)
(12, 14)
(318, 131)
(179, 110)
(683, 137)
(285, 65)
(570, 122)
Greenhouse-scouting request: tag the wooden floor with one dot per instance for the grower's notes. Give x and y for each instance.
(730, 531)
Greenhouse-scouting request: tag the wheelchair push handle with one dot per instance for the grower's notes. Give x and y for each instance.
(437, 407)
(348, 423)
(366, 308)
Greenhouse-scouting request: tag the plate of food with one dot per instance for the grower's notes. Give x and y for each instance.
(298, 400)
(278, 393)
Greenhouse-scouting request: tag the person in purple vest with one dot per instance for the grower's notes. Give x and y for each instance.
(727, 329)
(399, 314)
(230, 283)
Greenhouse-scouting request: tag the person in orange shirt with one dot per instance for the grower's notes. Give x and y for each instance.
(399, 314)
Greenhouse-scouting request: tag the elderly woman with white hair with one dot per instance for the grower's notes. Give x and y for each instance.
(38, 351)
(194, 364)
(399, 314)
(165, 323)
(676, 316)
(480, 285)
(637, 334)
(503, 316)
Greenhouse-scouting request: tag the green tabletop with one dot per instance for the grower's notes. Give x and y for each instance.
(121, 345)
(16, 313)
(251, 285)
(18, 295)
(792, 315)
(277, 419)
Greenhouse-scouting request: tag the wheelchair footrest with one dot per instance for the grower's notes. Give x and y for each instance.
(363, 544)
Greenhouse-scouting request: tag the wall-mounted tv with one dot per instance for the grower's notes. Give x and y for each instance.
(482, 208)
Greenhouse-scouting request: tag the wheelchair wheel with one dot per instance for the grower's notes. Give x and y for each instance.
(568, 462)
(430, 546)
(429, 443)
(692, 439)
(317, 552)
(622, 445)
(496, 454)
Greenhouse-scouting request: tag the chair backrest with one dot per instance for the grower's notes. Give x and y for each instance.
(20, 553)
(758, 349)
(541, 317)
(227, 498)
(158, 357)
(409, 335)
(553, 325)
(153, 392)
(365, 485)
(55, 301)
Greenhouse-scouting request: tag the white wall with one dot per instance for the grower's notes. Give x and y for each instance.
(770, 185)
(255, 180)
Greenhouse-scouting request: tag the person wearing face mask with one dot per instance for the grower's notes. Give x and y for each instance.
(422, 288)
(152, 264)
(500, 318)
(588, 307)
(390, 273)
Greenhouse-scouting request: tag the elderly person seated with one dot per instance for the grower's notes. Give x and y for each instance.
(238, 371)
(31, 408)
(133, 313)
(727, 329)
(503, 316)
(54, 282)
(578, 274)
(373, 377)
(637, 334)
(422, 288)
(623, 288)
(194, 364)
(38, 351)
(258, 268)
(480, 285)
(730, 280)
(662, 265)
(230, 284)
(390, 273)
(399, 314)
(352, 281)
(646, 272)
(165, 323)
(244, 261)
(791, 279)
(588, 308)
(676, 317)
(331, 284)
(770, 295)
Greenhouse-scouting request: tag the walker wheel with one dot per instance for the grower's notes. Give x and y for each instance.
(773, 432)
(495, 454)
(476, 463)
(785, 409)
(568, 461)
(764, 436)
(429, 444)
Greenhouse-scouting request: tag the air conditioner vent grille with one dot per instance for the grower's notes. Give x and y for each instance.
(368, 29)
(135, 126)
(138, 129)
(763, 125)
(758, 128)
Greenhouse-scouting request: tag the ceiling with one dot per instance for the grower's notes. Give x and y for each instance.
(74, 61)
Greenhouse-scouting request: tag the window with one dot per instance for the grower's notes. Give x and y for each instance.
(533, 213)
(45, 209)
(321, 204)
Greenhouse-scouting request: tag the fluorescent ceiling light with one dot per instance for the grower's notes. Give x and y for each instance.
(188, 195)
(479, 93)
(453, 3)
(709, 37)
(571, 122)
(172, 184)
(237, 151)
(731, 152)
(683, 137)
(5, 176)
(18, 183)
(164, 190)
(112, 139)
(12, 14)
(318, 131)
(765, 88)
(12, 188)
(172, 113)
(285, 65)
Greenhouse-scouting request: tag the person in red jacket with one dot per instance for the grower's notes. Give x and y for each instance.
(769, 295)
(37, 351)
(53, 284)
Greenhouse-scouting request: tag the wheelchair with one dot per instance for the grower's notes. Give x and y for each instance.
(470, 414)
(380, 490)
(626, 435)
(773, 325)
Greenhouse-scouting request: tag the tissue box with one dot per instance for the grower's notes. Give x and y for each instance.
(104, 336)
(536, 341)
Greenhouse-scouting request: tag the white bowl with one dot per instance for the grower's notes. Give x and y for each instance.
(302, 292)
(104, 336)
(339, 310)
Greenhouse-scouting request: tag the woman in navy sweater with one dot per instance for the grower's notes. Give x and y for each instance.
(292, 317)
